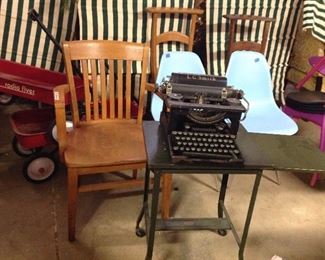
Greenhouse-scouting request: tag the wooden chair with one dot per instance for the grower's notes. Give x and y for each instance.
(161, 38)
(234, 45)
(170, 36)
(105, 138)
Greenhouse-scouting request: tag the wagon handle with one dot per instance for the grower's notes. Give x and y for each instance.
(35, 17)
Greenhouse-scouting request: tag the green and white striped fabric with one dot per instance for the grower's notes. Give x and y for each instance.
(128, 21)
(23, 41)
(281, 36)
(314, 18)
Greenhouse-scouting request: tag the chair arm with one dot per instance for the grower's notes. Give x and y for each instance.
(59, 93)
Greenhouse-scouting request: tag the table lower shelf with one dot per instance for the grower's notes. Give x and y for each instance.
(193, 224)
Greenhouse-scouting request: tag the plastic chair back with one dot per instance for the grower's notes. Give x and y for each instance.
(249, 71)
(174, 61)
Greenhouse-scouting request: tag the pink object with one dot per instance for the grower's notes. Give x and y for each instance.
(318, 65)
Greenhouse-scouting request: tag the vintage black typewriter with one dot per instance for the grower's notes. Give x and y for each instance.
(201, 117)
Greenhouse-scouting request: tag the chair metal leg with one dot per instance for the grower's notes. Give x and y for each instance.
(72, 202)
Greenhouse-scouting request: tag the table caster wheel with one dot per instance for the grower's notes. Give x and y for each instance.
(222, 232)
(140, 232)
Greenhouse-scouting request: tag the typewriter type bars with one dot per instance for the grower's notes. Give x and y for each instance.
(201, 122)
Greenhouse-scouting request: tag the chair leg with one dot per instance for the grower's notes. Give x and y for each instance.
(314, 178)
(72, 202)
(135, 174)
(166, 193)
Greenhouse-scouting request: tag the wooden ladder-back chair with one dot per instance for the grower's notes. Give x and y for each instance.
(105, 138)
(170, 36)
(234, 45)
(158, 38)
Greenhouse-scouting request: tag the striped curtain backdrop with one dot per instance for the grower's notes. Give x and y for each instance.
(23, 41)
(314, 18)
(281, 36)
(128, 21)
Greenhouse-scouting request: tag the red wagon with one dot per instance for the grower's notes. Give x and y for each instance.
(33, 128)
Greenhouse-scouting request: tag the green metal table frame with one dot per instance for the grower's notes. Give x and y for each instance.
(262, 152)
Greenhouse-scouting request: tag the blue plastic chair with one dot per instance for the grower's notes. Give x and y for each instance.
(174, 61)
(249, 71)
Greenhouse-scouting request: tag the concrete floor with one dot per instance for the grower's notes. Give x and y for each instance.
(288, 220)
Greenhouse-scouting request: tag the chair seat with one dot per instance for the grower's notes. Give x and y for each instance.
(269, 119)
(120, 143)
(307, 101)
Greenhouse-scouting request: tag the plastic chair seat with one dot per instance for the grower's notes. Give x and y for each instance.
(249, 71)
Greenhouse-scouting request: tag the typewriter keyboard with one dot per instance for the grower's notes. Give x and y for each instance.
(203, 146)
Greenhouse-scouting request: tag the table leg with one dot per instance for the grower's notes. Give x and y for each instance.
(249, 215)
(139, 231)
(153, 215)
(222, 195)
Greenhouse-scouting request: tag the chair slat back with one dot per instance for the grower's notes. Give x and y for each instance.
(106, 68)
(171, 36)
(247, 45)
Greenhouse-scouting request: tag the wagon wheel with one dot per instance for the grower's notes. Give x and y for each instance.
(18, 149)
(53, 129)
(6, 99)
(39, 168)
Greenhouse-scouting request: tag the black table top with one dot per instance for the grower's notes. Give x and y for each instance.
(260, 152)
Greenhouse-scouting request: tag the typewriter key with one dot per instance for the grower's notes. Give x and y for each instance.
(175, 148)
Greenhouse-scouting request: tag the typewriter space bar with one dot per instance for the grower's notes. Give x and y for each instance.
(208, 155)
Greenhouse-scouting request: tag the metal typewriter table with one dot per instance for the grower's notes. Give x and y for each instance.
(259, 151)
